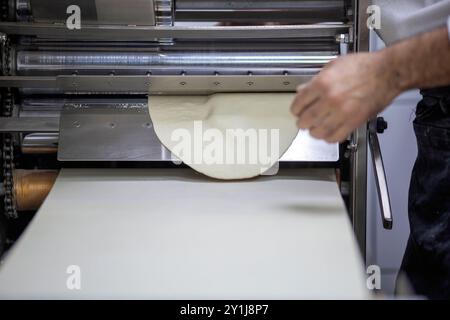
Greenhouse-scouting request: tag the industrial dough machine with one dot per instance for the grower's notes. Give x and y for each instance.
(78, 97)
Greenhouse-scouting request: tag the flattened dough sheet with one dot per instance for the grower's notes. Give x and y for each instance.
(176, 234)
(263, 122)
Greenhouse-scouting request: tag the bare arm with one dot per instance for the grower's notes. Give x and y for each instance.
(352, 89)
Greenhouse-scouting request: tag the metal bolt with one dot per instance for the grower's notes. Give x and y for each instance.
(353, 147)
(3, 38)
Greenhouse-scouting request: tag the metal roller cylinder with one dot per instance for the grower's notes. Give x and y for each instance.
(40, 143)
(31, 187)
(137, 63)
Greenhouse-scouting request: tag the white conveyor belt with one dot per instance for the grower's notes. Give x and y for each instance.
(175, 234)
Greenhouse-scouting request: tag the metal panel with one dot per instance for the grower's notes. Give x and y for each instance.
(161, 84)
(260, 11)
(213, 84)
(27, 82)
(308, 149)
(111, 134)
(129, 12)
(303, 149)
(55, 11)
(144, 33)
(32, 124)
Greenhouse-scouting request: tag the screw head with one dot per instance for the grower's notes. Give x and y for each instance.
(382, 125)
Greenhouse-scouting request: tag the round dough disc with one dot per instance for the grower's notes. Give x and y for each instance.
(225, 136)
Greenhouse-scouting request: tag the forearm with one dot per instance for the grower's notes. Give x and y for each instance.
(420, 62)
(354, 88)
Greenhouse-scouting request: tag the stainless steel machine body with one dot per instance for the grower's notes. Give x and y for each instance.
(61, 86)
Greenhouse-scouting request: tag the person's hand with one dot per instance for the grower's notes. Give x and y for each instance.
(344, 95)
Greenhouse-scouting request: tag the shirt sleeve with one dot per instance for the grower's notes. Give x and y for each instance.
(402, 19)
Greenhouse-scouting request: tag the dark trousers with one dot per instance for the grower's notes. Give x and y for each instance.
(427, 258)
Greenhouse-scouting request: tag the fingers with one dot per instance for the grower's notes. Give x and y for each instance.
(330, 128)
(307, 94)
(340, 98)
(330, 120)
(337, 127)
(314, 115)
(332, 133)
(340, 134)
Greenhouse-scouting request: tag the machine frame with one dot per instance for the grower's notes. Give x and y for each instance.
(352, 37)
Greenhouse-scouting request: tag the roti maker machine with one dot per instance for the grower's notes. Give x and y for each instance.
(76, 96)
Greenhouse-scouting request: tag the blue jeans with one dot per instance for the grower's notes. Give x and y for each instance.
(427, 258)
